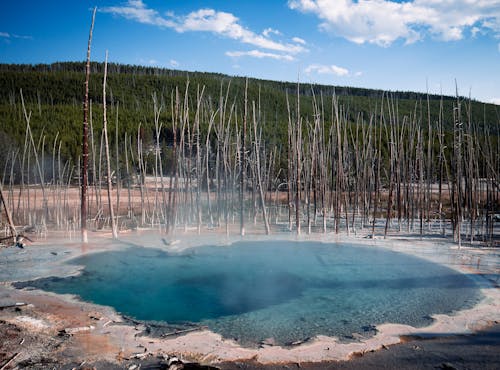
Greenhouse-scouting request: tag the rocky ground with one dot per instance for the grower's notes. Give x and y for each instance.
(38, 349)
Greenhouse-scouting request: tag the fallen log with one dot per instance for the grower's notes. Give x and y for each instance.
(184, 331)
(10, 361)
(77, 330)
(17, 304)
(139, 356)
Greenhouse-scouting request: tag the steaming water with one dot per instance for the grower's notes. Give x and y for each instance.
(285, 290)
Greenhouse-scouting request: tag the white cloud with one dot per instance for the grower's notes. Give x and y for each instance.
(495, 101)
(203, 20)
(14, 36)
(358, 74)
(298, 40)
(226, 24)
(326, 69)
(136, 10)
(382, 22)
(259, 54)
(152, 61)
(474, 31)
(174, 63)
(269, 31)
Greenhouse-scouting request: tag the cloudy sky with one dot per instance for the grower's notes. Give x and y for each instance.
(415, 45)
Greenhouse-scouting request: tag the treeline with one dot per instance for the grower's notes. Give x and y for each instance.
(136, 70)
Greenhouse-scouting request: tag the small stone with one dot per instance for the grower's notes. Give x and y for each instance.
(447, 366)
(172, 360)
(268, 342)
(176, 366)
(369, 328)
(357, 336)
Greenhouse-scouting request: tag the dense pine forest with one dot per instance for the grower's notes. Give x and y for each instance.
(227, 151)
(54, 95)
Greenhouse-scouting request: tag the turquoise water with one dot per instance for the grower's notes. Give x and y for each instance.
(285, 290)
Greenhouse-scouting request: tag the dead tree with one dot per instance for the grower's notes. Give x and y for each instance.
(258, 170)
(85, 143)
(243, 164)
(106, 145)
(298, 161)
(290, 160)
(12, 228)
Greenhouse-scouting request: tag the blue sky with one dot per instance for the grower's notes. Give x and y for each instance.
(412, 45)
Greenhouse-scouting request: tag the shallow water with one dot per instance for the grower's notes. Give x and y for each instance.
(285, 290)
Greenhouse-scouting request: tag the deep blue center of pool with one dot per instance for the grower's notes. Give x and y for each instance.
(285, 290)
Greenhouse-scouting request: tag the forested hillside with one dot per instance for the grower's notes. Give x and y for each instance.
(53, 94)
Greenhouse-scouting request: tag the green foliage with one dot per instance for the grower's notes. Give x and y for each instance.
(53, 95)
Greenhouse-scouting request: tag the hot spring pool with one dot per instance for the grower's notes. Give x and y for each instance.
(286, 290)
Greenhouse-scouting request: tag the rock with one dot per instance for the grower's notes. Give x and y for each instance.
(176, 366)
(367, 328)
(447, 366)
(172, 360)
(80, 329)
(196, 366)
(357, 336)
(268, 342)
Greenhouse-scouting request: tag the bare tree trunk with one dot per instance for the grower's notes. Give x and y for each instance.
(106, 145)
(290, 160)
(12, 228)
(298, 148)
(441, 167)
(130, 212)
(458, 171)
(118, 172)
(85, 144)
(391, 177)
(199, 170)
(35, 152)
(94, 170)
(258, 170)
(207, 167)
(243, 164)
(377, 174)
(173, 170)
(428, 194)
